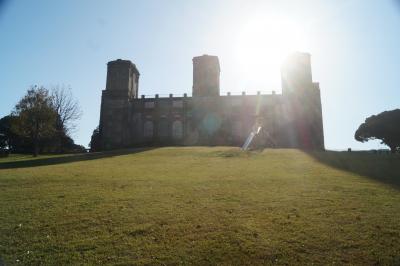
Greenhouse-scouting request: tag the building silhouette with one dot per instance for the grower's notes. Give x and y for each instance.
(292, 119)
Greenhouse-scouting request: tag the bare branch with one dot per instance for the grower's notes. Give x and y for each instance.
(67, 108)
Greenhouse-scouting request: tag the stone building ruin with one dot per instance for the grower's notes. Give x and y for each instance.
(292, 119)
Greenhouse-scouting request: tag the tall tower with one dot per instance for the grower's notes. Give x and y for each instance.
(303, 95)
(206, 72)
(122, 78)
(296, 73)
(122, 85)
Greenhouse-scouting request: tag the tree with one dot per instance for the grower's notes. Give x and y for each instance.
(4, 132)
(68, 112)
(3, 141)
(15, 142)
(95, 141)
(35, 116)
(67, 108)
(7, 137)
(384, 126)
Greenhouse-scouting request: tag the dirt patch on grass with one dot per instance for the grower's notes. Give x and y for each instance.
(236, 153)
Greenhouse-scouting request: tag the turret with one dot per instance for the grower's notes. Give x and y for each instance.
(121, 86)
(303, 97)
(296, 73)
(122, 78)
(206, 72)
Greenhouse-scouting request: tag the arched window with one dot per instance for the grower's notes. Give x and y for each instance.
(177, 129)
(148, 129)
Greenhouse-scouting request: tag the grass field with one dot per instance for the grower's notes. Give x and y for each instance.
(200, 206)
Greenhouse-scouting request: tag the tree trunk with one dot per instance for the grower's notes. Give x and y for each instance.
(35, 147)
(36, 141)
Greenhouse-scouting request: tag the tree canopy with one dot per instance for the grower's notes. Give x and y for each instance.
(384, 126)
(35, 116)
(7, 137)
(42, 121)
(95, 141)
(4, 129)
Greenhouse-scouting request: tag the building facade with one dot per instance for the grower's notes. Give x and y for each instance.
(292, 119)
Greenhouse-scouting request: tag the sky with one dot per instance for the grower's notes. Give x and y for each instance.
(354, 46)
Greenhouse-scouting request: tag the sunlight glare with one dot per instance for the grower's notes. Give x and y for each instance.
(263, 44)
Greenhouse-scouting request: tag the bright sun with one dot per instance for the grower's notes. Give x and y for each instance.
(263, 43)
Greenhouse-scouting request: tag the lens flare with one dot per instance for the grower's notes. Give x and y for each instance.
(263, 43)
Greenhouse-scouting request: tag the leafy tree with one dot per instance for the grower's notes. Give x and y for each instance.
(3, 141)
(15, 142)
(35, 117)
(384, 126)
(4, 128)
(6, 135)
(95, 141)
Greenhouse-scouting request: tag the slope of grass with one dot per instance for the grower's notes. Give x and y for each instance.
(201, 206)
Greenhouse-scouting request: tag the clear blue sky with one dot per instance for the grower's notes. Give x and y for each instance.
(355, 47)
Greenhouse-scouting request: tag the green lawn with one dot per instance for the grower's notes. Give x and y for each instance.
(201, 206)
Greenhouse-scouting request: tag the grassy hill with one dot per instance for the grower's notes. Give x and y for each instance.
(201, 206)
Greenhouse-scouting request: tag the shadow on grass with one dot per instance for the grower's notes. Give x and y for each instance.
(384, 168)
(34, 162)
